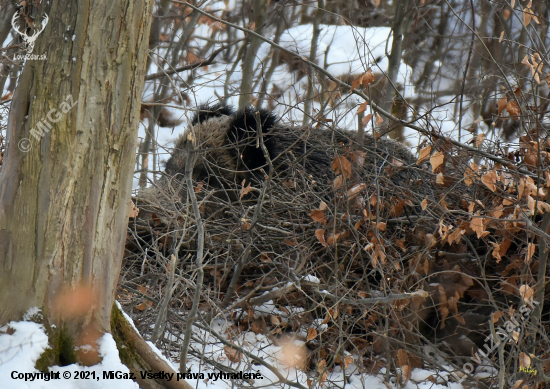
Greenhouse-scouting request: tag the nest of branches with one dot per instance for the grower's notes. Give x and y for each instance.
(368, 270)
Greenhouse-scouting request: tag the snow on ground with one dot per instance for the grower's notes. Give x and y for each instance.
(20, 351)
(21, 344)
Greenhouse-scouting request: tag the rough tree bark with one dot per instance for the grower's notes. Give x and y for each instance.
(394, 62)
(64, 202)
(259, 12)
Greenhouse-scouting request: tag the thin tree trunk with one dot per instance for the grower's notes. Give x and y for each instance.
(313, 58)
(64, 202)
(394, 62)
(259, 9)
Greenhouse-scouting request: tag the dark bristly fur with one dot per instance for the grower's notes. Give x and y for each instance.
(228, 150)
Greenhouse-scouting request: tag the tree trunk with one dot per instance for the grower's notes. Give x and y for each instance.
(65, 184)
(259, 12)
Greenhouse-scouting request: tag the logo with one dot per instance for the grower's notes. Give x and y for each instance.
(29, 40)
(528, 370)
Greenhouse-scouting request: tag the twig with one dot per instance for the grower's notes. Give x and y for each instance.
(374, 300)
(161, 318)
(274, 294)
(190, 66)
(190, 163)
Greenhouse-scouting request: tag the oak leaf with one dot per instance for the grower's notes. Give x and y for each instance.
(424, 154)
(436, 160)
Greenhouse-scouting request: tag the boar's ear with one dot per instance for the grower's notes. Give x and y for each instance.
(206, 112)
(243, 132)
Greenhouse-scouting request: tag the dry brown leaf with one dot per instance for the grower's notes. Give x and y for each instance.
(496, 316)
(521, 187)
(232, 354)
(348, 360)
(274, 320)
(355, 190)
(439, 179)
(524, 360)
(338, 182)
(401, 244)
(245, 190)
(470, 174)
(380, 226)
(531, 204)
(526, 292)
(436, 160)
(502, 33)
(320, 235)
(513, 108)
(357, 157)
(543, 207)
(379, 119)
(362, 107)
(444, 311)
(502, 103)
(424, 154)
(373, 200)
(497, 212)
(318, 216)
(254, 327)
(424, 204)
(455, 236)
(500, 249)
(341, 165)
(406, 372)
(199, 187)
(490, 179)
(321, 365)
(477, 225)
(530, 251)
(266, 258)
(311, 334)
(380, 254)
(479, 139)
(366, 80)
(443, 230)
(402, 359)
(366, 119)
(526, 16)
